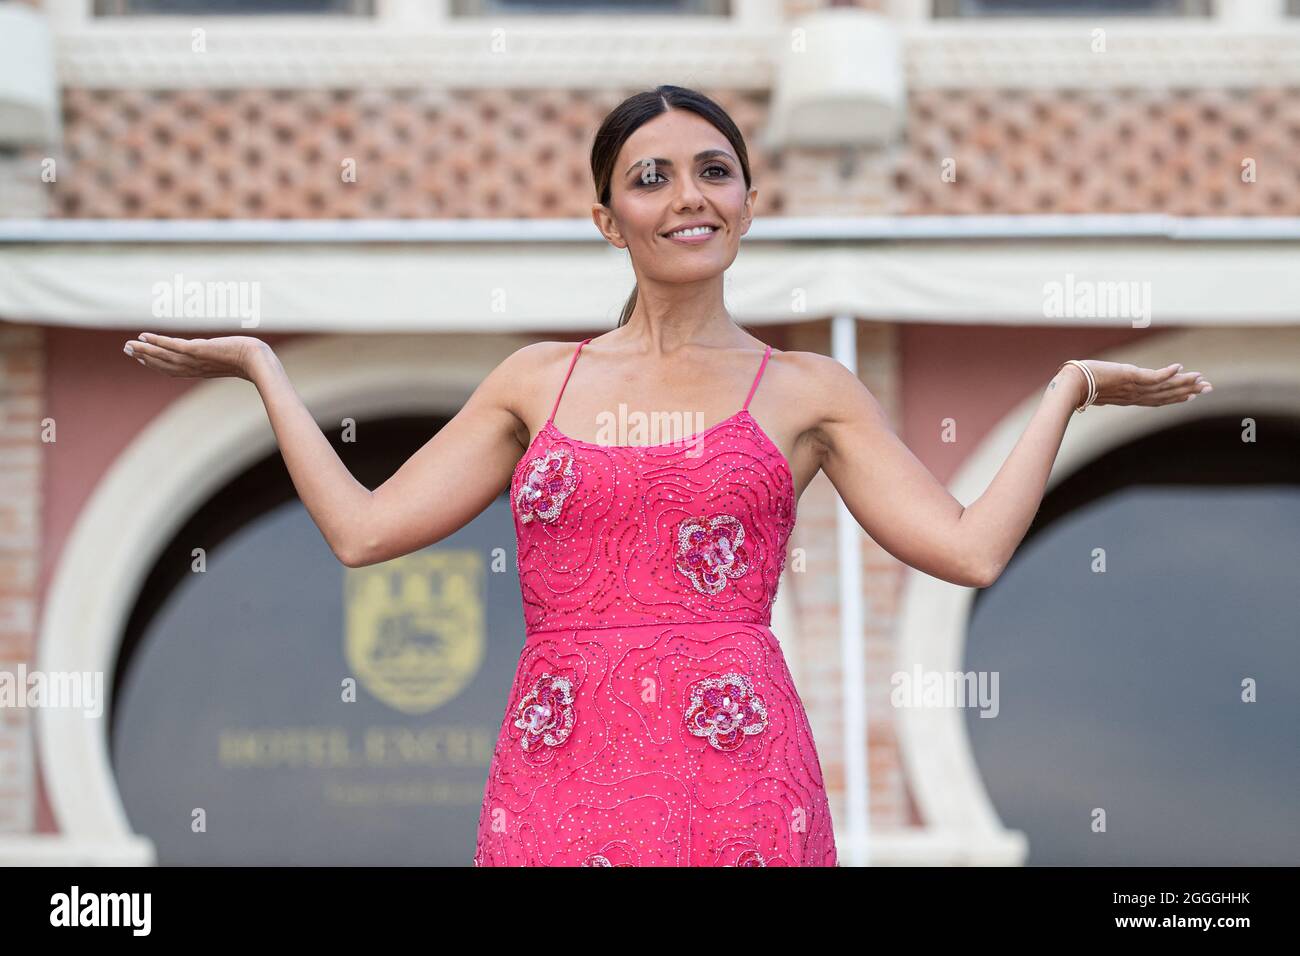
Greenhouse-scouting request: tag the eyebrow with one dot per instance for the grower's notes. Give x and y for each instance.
(702, 155)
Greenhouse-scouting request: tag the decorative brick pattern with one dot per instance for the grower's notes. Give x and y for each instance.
(280, 153)
(21, 388)
(1103, 151)
(524, 154)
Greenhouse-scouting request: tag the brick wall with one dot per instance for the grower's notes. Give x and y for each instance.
(815, 593)
(21, 388)
(1102, 151)
(524, 154)
(267, 154)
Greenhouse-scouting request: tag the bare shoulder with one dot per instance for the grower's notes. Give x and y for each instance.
(806, 365)
(817, 382)
(526, 378)
(536, 358)
(821, 393)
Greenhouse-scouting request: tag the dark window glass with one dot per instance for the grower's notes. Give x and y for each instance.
(105, 8)
(230, 692)
(1071, 8)
(537, 7)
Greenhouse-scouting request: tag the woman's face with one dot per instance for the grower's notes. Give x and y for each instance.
(676, 170)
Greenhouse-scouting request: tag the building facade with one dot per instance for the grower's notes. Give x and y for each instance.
(952, 200)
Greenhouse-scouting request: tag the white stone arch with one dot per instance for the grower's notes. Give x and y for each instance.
(1254, 371)
(208, 436)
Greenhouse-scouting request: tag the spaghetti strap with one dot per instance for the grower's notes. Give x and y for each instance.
(556, 407)
(762, 365)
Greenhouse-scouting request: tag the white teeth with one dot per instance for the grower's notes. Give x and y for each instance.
(697, 231)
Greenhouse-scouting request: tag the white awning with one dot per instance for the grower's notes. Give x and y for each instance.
(525, 275)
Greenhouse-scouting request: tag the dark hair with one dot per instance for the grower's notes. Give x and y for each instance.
(635, 111)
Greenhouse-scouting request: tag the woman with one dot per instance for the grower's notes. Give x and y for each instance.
(653, 720)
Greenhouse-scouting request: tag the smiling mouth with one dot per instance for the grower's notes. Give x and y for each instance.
(693, 232)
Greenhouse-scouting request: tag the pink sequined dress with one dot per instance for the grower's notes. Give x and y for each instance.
(653, 720)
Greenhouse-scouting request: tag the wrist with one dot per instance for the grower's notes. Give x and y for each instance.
(1072, 383)
(260, 361)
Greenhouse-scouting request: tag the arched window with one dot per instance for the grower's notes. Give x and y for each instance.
(309, 713)
(1122, 691)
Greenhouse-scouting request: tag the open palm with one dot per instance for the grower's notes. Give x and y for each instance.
(1121, 384)
(224, 357)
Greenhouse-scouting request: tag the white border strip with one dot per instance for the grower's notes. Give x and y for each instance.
(419, 42)
(766, 229)
(544, 287)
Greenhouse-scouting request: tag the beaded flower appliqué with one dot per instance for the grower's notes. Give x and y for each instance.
(726, 710)
(711, 550)
(546, 715)
(549, 480)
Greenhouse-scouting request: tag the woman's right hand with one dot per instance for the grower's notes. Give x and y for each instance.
(224, 357)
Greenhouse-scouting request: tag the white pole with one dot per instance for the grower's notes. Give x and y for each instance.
(844, 348)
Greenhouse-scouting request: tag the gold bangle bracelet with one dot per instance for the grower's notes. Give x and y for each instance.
(1092, 383)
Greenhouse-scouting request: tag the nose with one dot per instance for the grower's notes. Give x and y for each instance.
(688, 194)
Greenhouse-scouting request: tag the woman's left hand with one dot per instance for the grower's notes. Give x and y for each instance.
(1121, 384)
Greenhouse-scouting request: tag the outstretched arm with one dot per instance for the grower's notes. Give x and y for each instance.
(905, 509)
(437, 491)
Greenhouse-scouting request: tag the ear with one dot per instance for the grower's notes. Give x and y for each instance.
(747, 216)
(604, 220)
